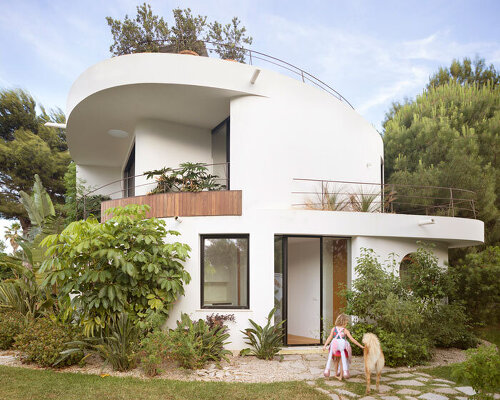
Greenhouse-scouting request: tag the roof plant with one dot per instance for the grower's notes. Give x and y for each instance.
(122, 265)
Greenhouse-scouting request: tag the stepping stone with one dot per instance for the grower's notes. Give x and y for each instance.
(367, 398)
(292, 357)
(441, 384)
(444, 381)
(401, 375)
(334, 383)
(410, 398)
(389, 397)
(385, 379)
(384, 388)
(408, 391)
(447, 390)
(422, 379)
(316, 371)
(347, 393)
(314, 357)
(496, 396)
(334, 396)
(356, 380)
(461, 398)
(467, 390)
(311, 383)
(432, 396)
(355, 372)
(407, 382)
(324, 391)
(294, 365)
(423, 374)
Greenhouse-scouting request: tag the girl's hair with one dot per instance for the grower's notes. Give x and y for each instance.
(342, 320)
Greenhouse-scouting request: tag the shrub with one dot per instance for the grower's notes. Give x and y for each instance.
(193, 344)
(266, 341)
(122, 265)
(449, 327)
(481, 370)
(153, 352)
(117, 344)
(11, 324)
(478, 286)
(44, 340)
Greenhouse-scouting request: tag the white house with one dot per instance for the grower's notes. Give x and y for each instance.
(276, 140)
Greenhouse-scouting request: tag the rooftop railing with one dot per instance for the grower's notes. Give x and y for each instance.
(254, 56)
(331, 195)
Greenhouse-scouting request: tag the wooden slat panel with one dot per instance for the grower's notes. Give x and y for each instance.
(184, 204)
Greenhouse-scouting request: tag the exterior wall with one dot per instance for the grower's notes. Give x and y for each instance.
(161, 144)
(96, 176)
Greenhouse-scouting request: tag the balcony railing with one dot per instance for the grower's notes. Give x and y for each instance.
(162, 200)
(330, 195)
(254, 57)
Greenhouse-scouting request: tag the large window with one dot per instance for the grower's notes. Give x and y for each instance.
(224, 271)
(220, 152)
(129, 175)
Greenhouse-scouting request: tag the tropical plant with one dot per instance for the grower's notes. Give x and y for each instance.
(189, 177)
(12, 323)
(153, 351)
(12, 234)
(117, 344)
(118, 266)
(481, 370)
(43, 340)
(266, 341)
(193, 343)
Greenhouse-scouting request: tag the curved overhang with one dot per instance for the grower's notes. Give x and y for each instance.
(455, 232)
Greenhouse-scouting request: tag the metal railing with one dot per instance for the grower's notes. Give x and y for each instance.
(334, 195)
(101, 194)
(253, 55)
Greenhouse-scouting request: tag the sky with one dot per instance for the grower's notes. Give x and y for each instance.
(372, 52)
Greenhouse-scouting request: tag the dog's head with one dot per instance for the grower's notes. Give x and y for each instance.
(370, 340)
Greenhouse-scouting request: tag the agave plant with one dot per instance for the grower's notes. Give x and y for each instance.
(364, 202)
(266, 341)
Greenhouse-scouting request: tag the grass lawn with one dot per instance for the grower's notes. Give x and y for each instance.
(23, 383)
(490, 333)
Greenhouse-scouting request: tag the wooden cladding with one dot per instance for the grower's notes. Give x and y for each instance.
(183, 204)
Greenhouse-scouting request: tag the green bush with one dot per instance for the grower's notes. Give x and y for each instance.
(481, 370)
(449, 327)
(11, 324)
(193, 343)
(266, 341)
(399, 349)
(153, 352)
(44, 340)
(477, 285)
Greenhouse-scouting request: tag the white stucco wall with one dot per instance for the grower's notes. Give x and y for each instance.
(304, 287)
(161, 144)
(96, 176)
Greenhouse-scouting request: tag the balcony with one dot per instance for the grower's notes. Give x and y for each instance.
(174, 192)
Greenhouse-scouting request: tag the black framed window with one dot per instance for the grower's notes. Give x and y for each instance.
(225, 271)
(220, 152)
(129, 175)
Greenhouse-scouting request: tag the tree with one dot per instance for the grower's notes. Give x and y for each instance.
(27, 147)
(466, 72)
(449, 136)
(150, 33)
(118, 266)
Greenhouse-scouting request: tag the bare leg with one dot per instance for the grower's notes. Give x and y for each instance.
(341, 370)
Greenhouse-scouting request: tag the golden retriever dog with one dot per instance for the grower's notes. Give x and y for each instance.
(374, 358)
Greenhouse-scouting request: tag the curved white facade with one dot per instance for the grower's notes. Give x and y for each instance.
(280, 129)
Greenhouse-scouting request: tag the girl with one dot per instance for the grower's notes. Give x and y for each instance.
(339, 347)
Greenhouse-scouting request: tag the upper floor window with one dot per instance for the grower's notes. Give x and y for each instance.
(129, 175)
(220, 152)
(224, 271)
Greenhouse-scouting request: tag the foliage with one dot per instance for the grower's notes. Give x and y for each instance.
(218, 320)
(11, 324)
(153, 351)
(266, 341)
(193, 343)
(466, 72)
(477, 284)
(44, 339)
(189, 177)
(116, 345)
(150, 33)
(27, 145)
(118, 266)
(229, 40)
(399, 349)
(450, 327)
(448, 137)
(482, 370)
(12, 234)
(75, 190)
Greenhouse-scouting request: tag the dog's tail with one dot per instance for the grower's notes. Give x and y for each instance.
(370, 340)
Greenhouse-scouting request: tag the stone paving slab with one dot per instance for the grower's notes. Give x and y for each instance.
(407, 382)
(467, 390)
(440, 384)
(444, 381)
(334, 383)
(410, 398)
(461, 398)
(384, 388)
(347, 393)
(357, 380)
(334, 396)
(291, 357)
(389, 397)
(422, 379)
(324, 391)
(423, 374)
(385, 379)
(408, 391)
(446, 390)
(402, 375)
(432, 396)
(367, 398)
